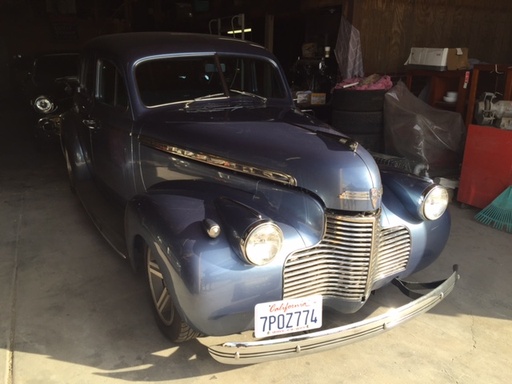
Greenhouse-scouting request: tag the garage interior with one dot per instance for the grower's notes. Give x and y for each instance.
(71, 309)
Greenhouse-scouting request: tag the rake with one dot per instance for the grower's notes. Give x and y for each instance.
(498, 214)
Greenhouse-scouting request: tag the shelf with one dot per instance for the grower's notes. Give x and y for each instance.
(441, 82)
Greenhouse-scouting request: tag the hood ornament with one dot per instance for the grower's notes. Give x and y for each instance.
(352, 144)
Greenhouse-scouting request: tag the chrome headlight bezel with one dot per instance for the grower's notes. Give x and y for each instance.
(261, 242)
(434, 202)
(44, 104)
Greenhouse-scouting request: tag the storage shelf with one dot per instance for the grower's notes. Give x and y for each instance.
(441, 82)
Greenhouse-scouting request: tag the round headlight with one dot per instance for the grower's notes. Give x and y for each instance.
(43, 104)
(261, 243)
(435, 202)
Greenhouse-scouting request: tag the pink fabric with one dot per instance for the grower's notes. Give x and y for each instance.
(383, 83)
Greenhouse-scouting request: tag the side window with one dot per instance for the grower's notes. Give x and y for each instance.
(110, 87)
(86, 75)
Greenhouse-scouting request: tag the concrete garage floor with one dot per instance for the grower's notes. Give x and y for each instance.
(73, 312)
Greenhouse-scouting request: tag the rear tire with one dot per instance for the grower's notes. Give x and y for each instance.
(167, 317)
(358, 122)
(357, 101)
(360, 115)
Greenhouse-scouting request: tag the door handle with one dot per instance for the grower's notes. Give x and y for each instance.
(91, 124)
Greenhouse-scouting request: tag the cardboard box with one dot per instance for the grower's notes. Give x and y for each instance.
(438, 59)
(318, 98)
(308, 98)
(304, 98)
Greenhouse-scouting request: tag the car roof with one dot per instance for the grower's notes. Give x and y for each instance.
(132, 46)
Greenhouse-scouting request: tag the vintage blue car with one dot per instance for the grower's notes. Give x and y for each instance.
(48, 86)
(190, 156)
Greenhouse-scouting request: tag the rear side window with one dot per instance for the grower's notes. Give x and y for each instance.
(110, 87)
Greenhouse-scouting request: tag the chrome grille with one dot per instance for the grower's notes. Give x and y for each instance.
(394, 248)
(353, 253)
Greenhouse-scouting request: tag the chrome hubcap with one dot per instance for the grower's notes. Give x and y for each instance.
(161, 298)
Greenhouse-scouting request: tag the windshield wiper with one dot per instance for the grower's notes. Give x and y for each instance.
(221, 102)
(212, 108)
(212, 96)
(249, 94)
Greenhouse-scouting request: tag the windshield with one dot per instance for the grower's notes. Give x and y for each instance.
(180, 79)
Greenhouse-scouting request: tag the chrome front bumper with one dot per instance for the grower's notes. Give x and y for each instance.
(239, 353)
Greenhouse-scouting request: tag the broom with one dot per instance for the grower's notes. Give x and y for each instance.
(498, 214)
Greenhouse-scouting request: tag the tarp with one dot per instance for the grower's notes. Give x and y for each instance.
(421, 133)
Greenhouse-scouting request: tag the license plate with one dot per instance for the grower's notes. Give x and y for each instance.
(287, 316)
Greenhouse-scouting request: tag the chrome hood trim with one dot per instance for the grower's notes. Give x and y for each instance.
(220, 162)
(240, 353)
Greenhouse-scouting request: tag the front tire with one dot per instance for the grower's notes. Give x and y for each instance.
(167, 317)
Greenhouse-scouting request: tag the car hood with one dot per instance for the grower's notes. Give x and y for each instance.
(279, 142)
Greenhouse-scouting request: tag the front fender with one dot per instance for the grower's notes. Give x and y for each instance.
(212, 287)
(400, 201)
(72, 150)
(408, 188)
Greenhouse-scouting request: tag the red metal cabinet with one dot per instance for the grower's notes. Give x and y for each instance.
(487, 165)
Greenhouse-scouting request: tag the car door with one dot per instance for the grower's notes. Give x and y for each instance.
(84, 100)
(110, 126)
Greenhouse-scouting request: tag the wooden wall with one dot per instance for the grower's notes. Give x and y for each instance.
(389, 28)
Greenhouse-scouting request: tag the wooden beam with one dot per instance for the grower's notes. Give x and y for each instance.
(269, 32)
